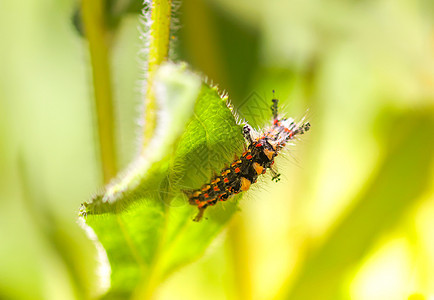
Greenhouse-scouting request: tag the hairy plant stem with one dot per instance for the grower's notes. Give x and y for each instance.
(158, 53)
(161, 11)
(98, 40)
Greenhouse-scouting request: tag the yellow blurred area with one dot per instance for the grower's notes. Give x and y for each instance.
(332, 228)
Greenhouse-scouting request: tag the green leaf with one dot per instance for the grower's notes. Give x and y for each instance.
(143, 219)
(401, 179)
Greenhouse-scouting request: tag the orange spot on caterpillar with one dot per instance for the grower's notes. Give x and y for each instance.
(215, 181)
(249, 156)
(258, 145)
(216, 188)
(235, 163)
(269, 154)
(237, 170)
(221, 197)
(225, 180)
(245, 184)
(258, 168)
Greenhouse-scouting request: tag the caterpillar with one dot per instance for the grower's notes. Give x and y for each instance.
(259, 156)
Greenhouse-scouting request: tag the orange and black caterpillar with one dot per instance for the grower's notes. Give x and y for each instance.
(261, 150)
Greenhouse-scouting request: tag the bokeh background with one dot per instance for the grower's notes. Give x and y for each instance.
(352, 217)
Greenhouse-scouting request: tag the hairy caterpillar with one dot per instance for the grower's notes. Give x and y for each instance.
(262, 148)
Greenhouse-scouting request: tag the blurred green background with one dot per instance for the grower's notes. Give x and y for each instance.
(352, 217)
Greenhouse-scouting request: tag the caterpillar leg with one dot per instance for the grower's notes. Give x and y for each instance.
(199, 214)
(276, 175)
(302, 128)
